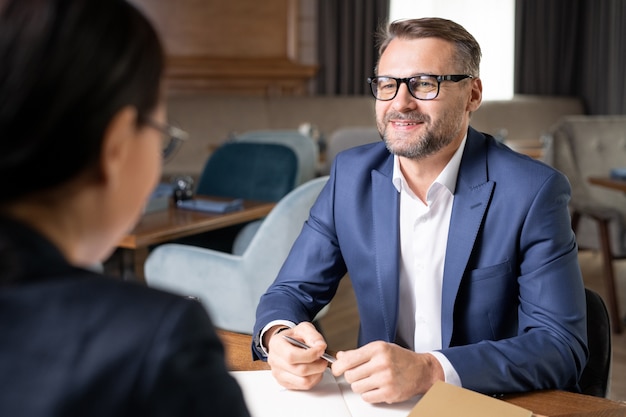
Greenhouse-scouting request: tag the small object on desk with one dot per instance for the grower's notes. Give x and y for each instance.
(183, 188)
(160, 198)
(211, 206)
(618, 174)
(325, 356)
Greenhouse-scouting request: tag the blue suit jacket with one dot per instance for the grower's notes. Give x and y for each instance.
(513, 303)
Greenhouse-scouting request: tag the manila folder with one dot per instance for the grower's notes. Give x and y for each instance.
(446, 400)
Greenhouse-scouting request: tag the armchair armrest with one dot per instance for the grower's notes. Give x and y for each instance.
(598, 211)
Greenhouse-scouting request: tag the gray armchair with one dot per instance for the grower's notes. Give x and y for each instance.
(348, 137)
(584, 146)
(229, 285)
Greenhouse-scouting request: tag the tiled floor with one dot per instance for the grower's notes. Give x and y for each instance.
(340, 325)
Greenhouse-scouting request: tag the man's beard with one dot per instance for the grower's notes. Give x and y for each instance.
(436, 137)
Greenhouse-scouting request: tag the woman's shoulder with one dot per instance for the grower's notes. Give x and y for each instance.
(135, 297)
(87, 301)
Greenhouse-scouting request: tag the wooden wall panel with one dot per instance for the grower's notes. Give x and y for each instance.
(230, 46)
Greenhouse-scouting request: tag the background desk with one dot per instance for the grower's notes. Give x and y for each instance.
(618, 185)
(173, 223)
(550, 403)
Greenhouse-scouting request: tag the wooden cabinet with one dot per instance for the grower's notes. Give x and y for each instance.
(231, 46)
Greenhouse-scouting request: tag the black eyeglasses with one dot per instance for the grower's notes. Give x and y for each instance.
(421, 86)
(172, 137)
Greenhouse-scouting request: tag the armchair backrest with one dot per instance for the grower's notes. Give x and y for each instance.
(348, 137)
(272, 242)
(305, 149)
(595, 377)
(252, 171)
(584, 146)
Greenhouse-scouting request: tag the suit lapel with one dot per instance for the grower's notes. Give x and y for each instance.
(385, 206)
(471, 199)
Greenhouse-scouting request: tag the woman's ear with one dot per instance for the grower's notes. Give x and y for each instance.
(117, 143)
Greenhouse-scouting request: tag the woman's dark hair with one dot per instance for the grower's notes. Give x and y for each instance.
(67, 67)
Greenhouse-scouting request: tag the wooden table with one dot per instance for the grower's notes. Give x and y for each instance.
(173, 223)
(549, 403)
(608, 182)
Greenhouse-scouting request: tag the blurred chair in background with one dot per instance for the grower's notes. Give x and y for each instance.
(596, 374)
(230, 285)
(252, 171)
(347, 137)
(307, 153)
(248, 170)
(584, 146)
(304, 147)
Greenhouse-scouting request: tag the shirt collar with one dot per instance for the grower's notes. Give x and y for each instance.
(447, 177)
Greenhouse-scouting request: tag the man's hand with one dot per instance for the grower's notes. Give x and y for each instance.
(293, 367)
(385, 372)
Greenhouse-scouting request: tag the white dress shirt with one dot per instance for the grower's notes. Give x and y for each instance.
(423, 241)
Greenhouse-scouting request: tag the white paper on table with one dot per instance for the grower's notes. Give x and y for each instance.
(266, 398)
(330, 398)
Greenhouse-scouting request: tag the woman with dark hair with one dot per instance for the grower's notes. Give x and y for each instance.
(81, 127)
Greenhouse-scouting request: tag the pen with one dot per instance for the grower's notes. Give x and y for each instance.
(325, 356)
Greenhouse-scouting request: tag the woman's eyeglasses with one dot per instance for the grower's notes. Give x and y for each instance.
(172, 137)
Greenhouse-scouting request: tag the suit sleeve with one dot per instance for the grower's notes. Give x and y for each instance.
(186, 372)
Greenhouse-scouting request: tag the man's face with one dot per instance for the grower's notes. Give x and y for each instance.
(415, 128)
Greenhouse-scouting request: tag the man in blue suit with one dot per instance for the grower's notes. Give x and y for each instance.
(460, 251)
